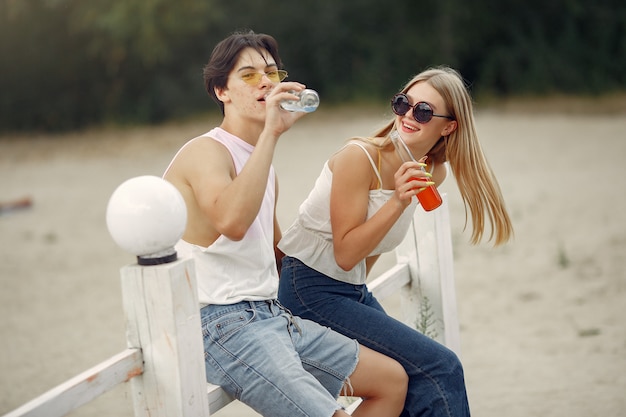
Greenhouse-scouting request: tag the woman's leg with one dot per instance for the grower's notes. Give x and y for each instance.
(344, 367)
(381, 382)
(436, 383)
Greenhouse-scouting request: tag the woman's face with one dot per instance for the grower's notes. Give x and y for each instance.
(423, 136)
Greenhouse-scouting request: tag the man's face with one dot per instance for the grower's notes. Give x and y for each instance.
(245, 97)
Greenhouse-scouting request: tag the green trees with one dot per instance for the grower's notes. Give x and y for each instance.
(71, 63)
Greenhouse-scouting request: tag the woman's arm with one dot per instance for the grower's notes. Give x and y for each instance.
(353, 237)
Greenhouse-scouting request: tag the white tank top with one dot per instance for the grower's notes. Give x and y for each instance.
(229, 271)
(310, 239)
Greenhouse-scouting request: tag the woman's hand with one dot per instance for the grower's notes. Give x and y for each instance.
(410, 179)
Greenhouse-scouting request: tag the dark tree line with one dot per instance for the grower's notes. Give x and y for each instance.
(66, 64)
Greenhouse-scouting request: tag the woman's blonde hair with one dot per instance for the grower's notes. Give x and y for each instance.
(476, 181)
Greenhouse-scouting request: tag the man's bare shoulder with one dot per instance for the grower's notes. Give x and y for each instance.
(199, 160)
(201, 150)
(199, 143)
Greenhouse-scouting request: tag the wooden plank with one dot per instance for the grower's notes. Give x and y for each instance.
(163, 319)
(84, 387)
(407, 253)
(352, 407)
(218, 398)
(451, 327)
(390, 281)
(429, 302)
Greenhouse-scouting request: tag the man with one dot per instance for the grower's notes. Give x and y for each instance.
(278, 364)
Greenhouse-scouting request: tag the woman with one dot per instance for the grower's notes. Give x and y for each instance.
(361, 206)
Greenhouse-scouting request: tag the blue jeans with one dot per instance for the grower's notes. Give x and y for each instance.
(436, 382)
(278, 364)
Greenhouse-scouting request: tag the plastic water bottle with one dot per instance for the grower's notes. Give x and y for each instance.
(309, 100)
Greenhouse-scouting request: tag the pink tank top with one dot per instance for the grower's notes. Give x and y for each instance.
(230, 271)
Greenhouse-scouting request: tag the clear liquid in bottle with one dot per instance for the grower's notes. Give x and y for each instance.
(309, 101)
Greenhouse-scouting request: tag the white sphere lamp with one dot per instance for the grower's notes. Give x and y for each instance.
(146, 216)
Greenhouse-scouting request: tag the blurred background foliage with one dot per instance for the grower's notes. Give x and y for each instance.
(68, 64)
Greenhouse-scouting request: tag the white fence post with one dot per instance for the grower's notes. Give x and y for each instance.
(424, 276)
(146, 216)
(429, 301)
(163, 319)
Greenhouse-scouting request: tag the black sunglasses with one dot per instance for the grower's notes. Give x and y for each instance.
(422, 112)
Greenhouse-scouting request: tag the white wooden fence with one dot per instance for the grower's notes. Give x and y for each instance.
(164, 361)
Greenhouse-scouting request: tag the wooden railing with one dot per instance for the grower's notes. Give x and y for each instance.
(164, 361)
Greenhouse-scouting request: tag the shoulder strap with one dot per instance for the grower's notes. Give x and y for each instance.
(380, 180)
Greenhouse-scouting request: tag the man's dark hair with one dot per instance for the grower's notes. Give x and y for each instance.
(226, 53)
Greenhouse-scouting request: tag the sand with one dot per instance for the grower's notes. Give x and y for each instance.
(542, 327)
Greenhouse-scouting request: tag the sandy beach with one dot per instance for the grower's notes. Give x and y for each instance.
(542, 318)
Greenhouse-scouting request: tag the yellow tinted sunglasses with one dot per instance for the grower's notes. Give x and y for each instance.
(254, 78)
